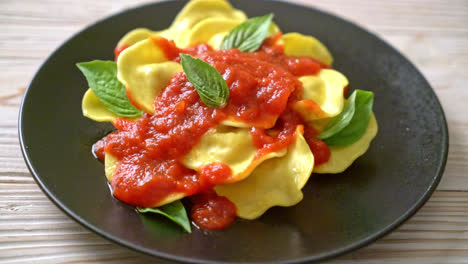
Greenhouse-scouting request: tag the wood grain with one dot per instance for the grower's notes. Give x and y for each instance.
(432, 33)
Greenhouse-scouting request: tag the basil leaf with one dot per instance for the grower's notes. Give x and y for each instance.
(102, 79)
(248, 36)
(175, 211)
(208, 82)
(342, 120)
(357, 126)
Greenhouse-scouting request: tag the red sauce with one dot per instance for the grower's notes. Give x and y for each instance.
(98, 148)
(119, 50)
(210, 211)
(168, 46)
(150, 149)
(214, 174)
(282, 134)
(130, 98)
(312, 107)
(345, 91)
(317, 146)
(263, 88)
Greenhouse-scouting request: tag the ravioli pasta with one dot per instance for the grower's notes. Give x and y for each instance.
(224, 144)
(145, 71)
(276, 182)
(342, 157)
(322, 95)
(296, 44)
(199, 21)
(258, 181)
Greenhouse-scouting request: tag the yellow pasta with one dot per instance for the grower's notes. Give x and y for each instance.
(231, 146)
(195, 12)
(296, 44)
(209, 28)
(110, 165)
(275, 182)
(343, 156)
(135, 36)
(145, 71)
(324, 90)
(94, 109)
(195, 22)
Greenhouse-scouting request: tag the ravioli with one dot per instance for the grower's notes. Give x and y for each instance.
(275, 182)
(110, 165)
(343, 156)
(209, 28)
(216, 39)
(230, 121)
(257, 182)
(296, 44)
(94, 109)
(197, 22)
(145, 71)
(322, 95)
(231, 146)
(135, 36)
(196, 11)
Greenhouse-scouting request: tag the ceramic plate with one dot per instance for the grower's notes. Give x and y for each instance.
(339, 213)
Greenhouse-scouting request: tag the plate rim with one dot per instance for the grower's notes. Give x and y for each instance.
(170, 257)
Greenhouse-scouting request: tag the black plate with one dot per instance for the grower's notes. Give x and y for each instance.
(339, 213)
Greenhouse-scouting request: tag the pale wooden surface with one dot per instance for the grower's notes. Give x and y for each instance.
(432, 33)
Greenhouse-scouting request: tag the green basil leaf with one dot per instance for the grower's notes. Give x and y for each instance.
(248, 36)
(357, 126)
(102, 79)
(342, 120)
(208, 82)
(174, 211)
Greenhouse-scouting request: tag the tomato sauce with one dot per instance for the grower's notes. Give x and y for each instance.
(263, 87)
(98, 148)
(317, 146)
(214, 174)
(210, 211)
(119, 50)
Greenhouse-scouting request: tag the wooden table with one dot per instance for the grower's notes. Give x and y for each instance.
(432, 33)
